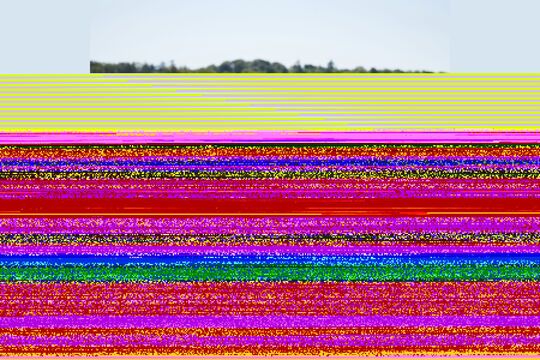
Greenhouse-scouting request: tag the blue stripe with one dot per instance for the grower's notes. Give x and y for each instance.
(277, 162)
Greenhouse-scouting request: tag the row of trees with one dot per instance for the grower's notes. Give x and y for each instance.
(236, 66)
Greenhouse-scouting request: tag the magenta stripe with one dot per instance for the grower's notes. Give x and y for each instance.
(269, 136)
(373, 341)
(268, 189)
(269, 168)
(280, 184)
(280, 322)
(265, 225)
(267, 194)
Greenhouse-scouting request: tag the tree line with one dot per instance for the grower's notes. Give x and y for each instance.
(236, 66)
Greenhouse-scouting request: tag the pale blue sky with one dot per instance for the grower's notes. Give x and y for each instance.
(60, 36)
(44, 36)
(406, 34)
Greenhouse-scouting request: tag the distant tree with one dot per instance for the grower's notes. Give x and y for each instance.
(262, 66)
(96, 67)
(183, 69)
(279, 68)
(225, 67)
(123, 67)
(360, 69)
(162, 67)
(212, 69)
(236, 66)
(297, 67)
(147, 68)
(330, 67)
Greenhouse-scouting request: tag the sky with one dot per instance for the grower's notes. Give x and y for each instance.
(405, 34)
(495, 36)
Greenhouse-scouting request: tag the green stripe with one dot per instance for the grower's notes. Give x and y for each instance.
(467, 272)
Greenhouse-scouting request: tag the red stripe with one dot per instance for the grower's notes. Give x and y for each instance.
(281, 151)
(344, 299)
(365, 207)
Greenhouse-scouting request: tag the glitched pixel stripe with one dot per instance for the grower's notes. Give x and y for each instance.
(251, 249)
